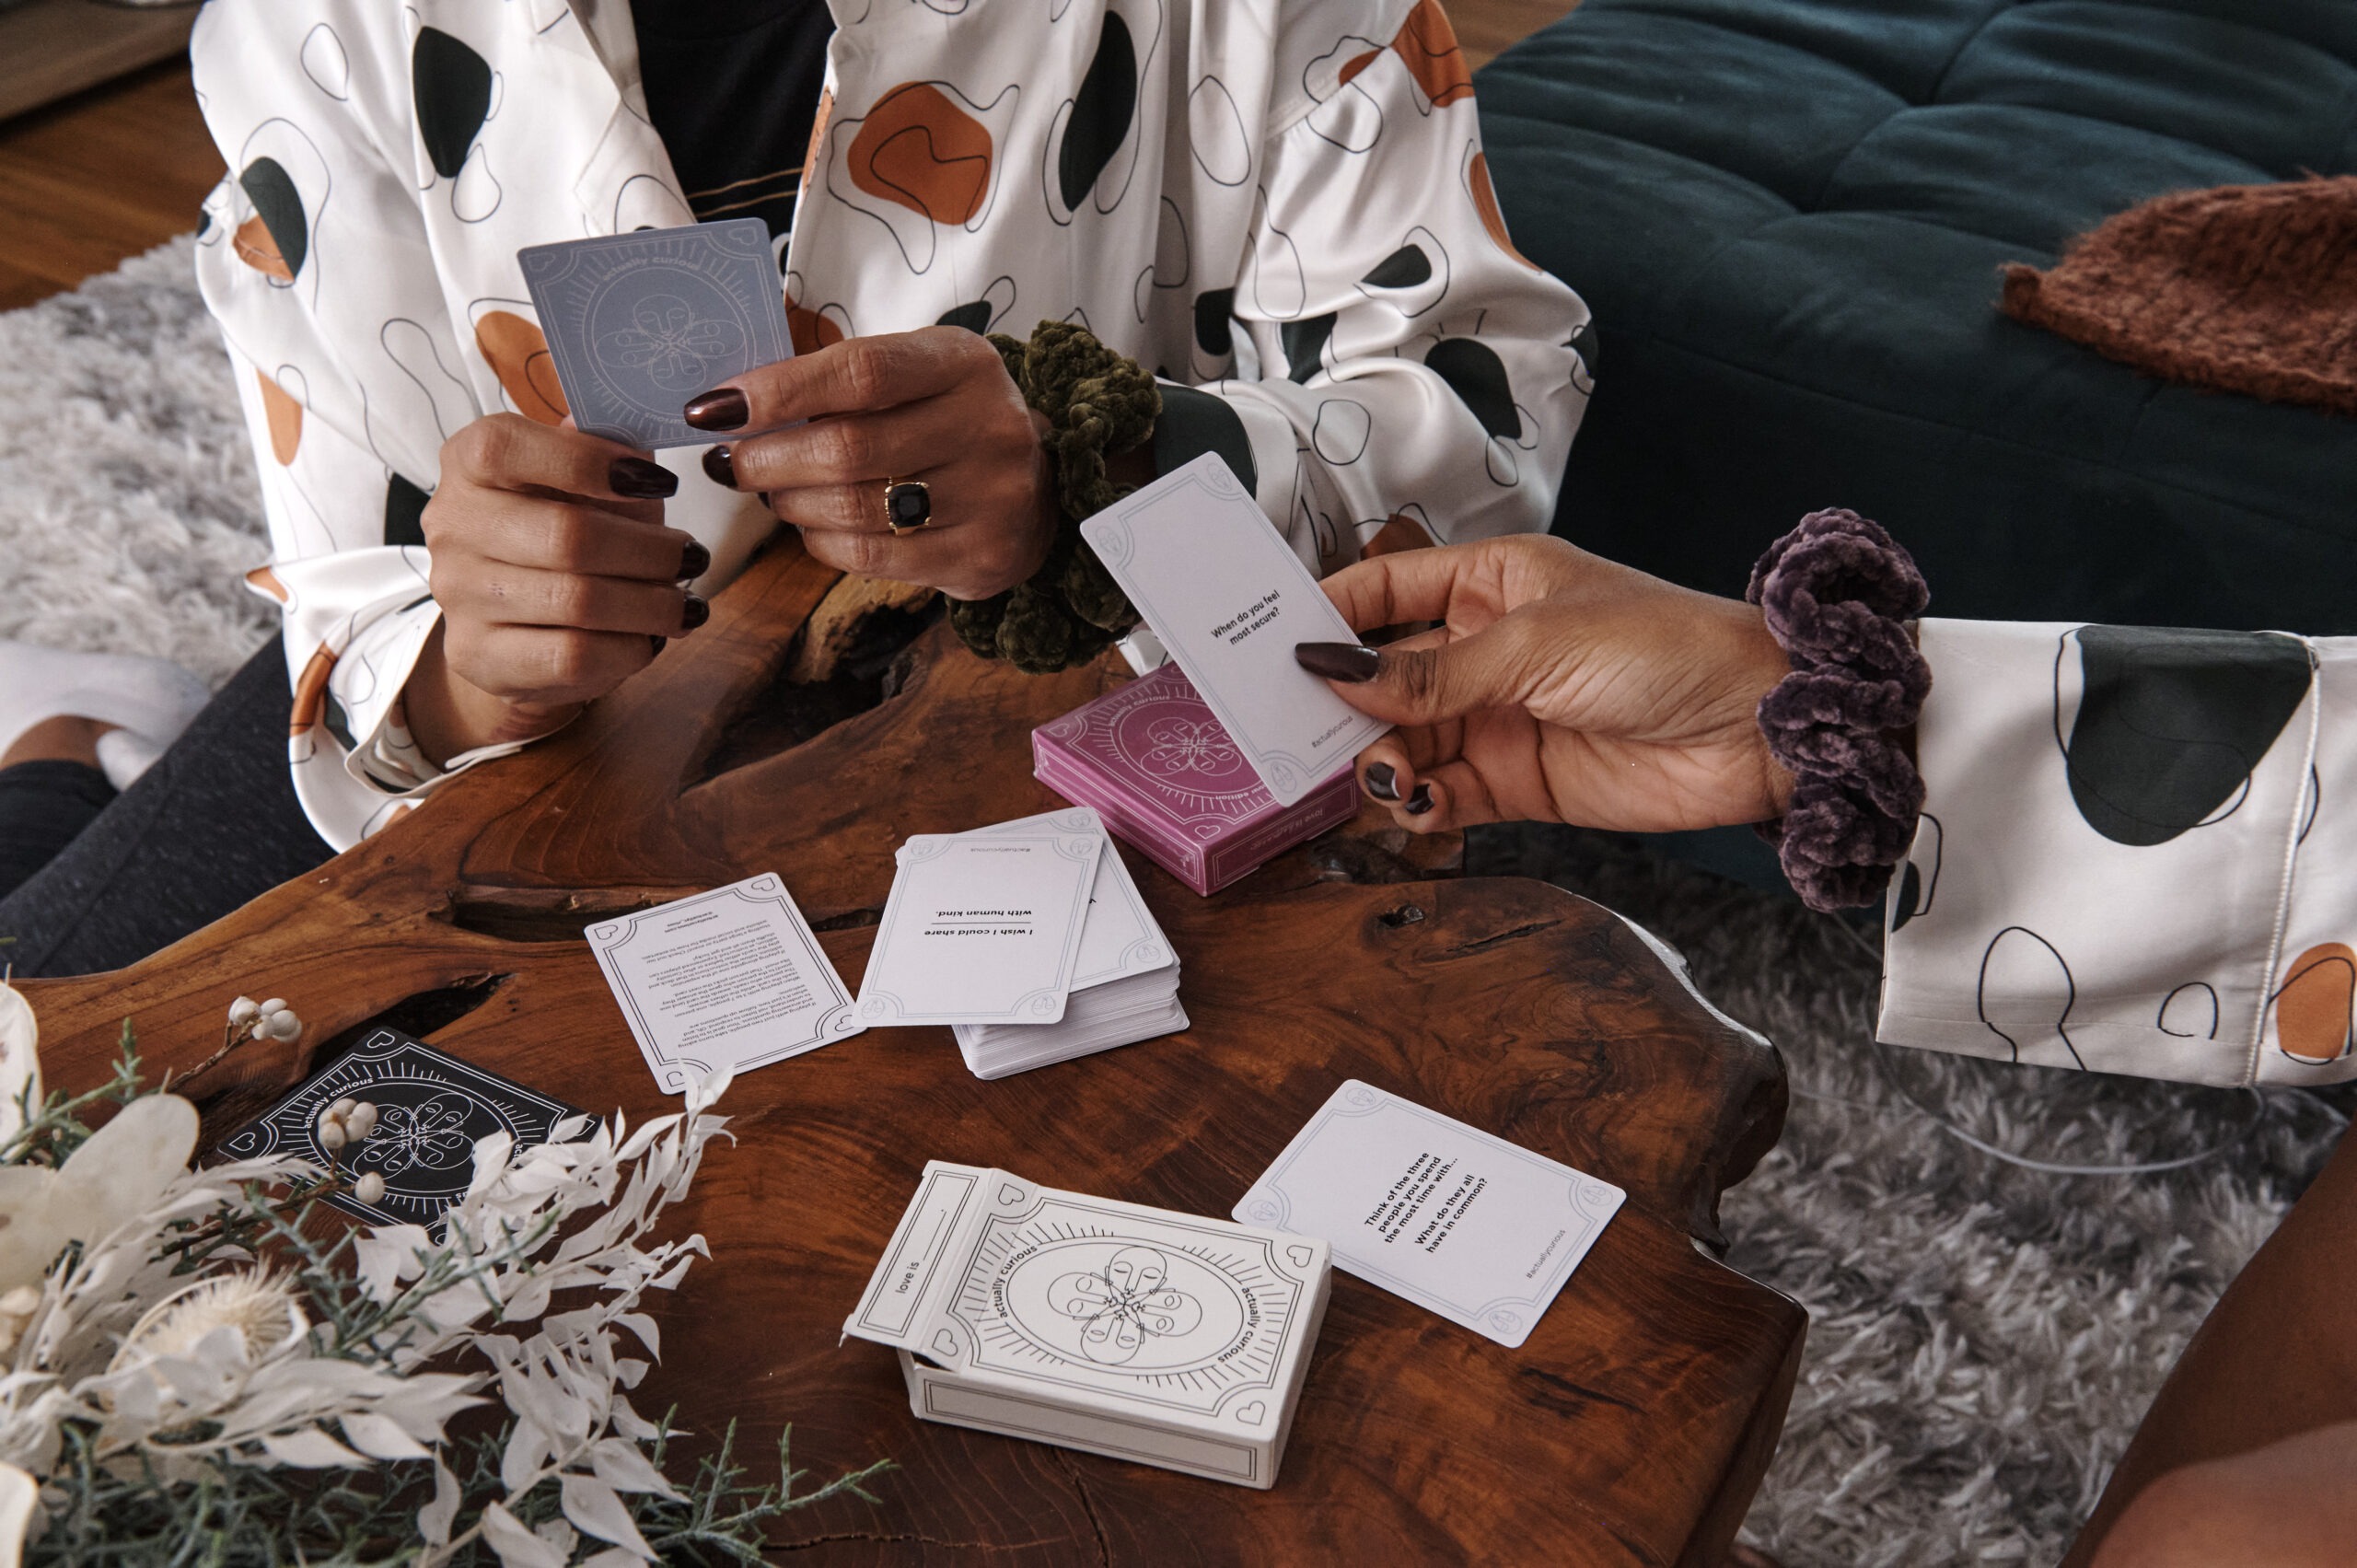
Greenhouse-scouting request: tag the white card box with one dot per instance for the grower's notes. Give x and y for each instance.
(1140, 1333)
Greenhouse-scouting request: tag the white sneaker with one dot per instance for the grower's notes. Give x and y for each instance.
(151, 700)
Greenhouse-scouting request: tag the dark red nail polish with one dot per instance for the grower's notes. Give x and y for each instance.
(1422, 801)
(1338, 661)
(720, 465)
(1382, 784)
(694, 610)
(694, 561)
(639, 479)
(722, 407)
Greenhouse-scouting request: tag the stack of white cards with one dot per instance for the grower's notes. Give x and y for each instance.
(1029, 939)
(1168, 1339)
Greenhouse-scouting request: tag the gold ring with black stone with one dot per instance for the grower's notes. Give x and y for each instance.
(907, 506)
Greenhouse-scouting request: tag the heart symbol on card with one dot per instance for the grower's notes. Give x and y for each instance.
(1254, 1414)
(1300, 1255)
(1263, 1212)
(944, 1344)
(1010, 1195)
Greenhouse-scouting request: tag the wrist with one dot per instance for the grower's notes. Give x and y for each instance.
(449, 715)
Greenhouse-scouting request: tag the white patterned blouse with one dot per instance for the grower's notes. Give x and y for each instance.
(1282, 204)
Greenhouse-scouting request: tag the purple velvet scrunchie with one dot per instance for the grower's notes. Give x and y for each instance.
(1836, 592)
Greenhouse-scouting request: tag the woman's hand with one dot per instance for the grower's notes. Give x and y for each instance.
(1561, 688)
(935, 405)
(556, 578)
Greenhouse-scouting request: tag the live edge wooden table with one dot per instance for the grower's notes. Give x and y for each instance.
(1631, 1428)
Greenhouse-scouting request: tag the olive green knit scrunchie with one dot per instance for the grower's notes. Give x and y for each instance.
(1096, 402)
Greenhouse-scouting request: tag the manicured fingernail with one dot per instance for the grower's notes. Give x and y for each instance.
(1422, 801)
(1382, 783)
(722, 407)
(642, 481)
(693, 612)
(720, 465)
(694, 561)
(1338, 661)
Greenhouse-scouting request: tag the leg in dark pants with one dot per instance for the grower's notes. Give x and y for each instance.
(212, 825)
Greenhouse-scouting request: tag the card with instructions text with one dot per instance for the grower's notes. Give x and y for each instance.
(733, 978)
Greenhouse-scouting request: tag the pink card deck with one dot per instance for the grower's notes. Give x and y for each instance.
(1155, 762)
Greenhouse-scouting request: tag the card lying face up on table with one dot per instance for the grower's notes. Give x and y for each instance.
(1137, 1332)
(1229, 599)
(983, 928)
(639, 323)
(730, 979)
(1125, 977)
(1474, 1228)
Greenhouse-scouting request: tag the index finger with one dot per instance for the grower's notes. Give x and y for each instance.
(1408, 585)
(855, 376)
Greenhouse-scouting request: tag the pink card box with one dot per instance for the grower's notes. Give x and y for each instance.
(1165, 775)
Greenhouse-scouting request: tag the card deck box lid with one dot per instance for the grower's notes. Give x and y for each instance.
(1158, 766)
(1173, 1340)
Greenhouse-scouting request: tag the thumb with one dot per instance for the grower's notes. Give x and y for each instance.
(1426, 685)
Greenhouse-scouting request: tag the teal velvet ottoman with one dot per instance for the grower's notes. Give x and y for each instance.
(1788, 216)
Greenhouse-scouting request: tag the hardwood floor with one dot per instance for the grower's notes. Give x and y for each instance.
(87, 182)
(99, 178)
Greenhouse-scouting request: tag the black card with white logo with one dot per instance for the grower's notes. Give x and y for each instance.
(431, 1108)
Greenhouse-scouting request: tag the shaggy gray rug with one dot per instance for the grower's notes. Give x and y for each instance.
(1982, 1340)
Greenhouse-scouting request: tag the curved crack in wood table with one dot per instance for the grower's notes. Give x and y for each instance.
(1631, 1428)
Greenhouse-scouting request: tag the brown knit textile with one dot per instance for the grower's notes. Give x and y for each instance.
(2246, 288)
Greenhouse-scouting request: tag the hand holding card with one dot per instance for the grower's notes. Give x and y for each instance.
(1198, 558)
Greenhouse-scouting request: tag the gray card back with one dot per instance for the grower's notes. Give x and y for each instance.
(639, 323)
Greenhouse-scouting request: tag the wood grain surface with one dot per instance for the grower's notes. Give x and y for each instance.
(1631, 1428)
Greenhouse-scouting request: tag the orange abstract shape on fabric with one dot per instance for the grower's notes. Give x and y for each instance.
(1428, 44)
(257, 249)
(1353, 66)
(269, 582)
(517, 353)
(311, 694)
(810, 331)
(284, 417)
(1400, 532)
(2313, 1010)
(1485, 202)
(817, 133)
(922, 152)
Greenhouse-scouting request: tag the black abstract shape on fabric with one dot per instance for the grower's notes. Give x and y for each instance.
(452, 86)
(1917, 889)
(1193, 423)
(1304, 341)
(2172, 722)
(404, 512)
(203, 222)
(1101, 112)
(1475, 373)
(279, 206)
(2190, 1011)
(2069, 992)
(974, 316)
(337, 720)
(1404, 268)
(1584, 344)
(1213, 329)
